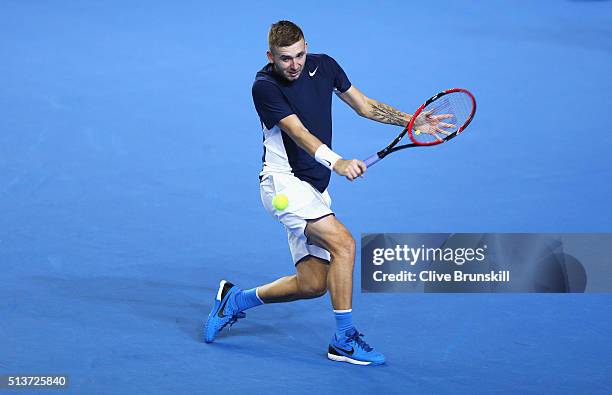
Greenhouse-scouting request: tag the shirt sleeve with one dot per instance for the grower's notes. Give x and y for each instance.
(341, 81)
(270, 103)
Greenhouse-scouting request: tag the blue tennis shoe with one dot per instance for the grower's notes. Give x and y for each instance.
(353, 349)
(222, 314)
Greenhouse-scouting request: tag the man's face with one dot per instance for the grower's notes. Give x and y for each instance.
(289, 61)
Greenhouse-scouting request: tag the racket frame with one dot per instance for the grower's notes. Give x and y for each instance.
(408, 129)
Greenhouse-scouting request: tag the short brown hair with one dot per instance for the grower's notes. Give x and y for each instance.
(284, 34)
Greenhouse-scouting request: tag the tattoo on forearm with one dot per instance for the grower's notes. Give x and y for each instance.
(387, 114)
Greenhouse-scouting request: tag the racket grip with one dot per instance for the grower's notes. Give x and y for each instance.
(371, 160)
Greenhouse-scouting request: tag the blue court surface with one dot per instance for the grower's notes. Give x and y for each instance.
(129, 154)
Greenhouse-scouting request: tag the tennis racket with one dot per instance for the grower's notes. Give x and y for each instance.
(441, 118)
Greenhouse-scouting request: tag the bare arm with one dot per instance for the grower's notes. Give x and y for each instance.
(307, 141)
(292, 125)
(373, 109)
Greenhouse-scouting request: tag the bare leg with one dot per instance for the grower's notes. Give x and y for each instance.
(331, 234)
(309, 282)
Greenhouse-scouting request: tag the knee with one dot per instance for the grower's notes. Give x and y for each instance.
(344, 246)
(313, 289)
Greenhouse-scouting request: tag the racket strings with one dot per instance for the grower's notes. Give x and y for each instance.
(457, 104)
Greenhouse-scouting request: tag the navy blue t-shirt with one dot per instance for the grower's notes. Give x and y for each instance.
(310, 98)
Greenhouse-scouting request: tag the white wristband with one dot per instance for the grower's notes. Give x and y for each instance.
(326, 157)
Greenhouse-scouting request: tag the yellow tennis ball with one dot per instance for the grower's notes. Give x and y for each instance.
(280, 202)
(417, 132)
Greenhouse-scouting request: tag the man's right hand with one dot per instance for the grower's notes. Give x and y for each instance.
(350, 169)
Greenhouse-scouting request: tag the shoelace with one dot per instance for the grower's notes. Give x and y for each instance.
(233, 320)
(357, 338)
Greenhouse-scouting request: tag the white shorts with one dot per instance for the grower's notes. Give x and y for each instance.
(305, 203)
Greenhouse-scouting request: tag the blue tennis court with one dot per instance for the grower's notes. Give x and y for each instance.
(129, 155)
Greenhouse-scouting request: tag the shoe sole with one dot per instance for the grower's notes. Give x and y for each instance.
(214, 313)
(341, 358)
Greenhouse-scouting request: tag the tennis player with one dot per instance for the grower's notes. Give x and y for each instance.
(293, 97)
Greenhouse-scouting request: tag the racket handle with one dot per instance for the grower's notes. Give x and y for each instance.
(371, 160)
